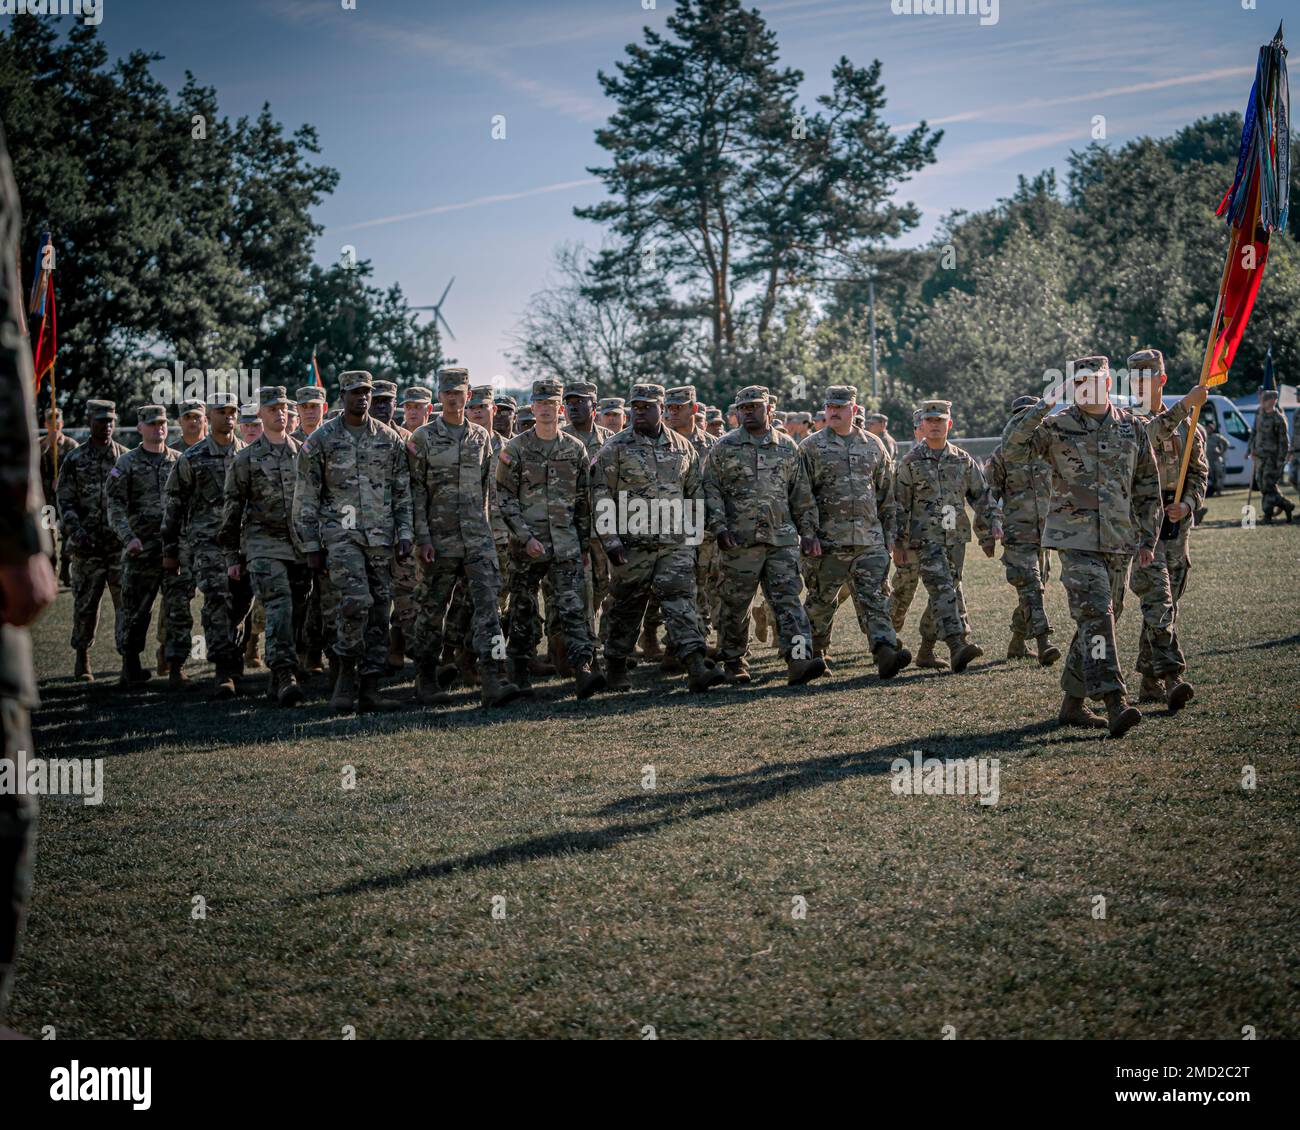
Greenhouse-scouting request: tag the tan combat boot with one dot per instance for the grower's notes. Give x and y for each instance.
(344, 698)
(800, 671)
(82, 670)
(251, 661)
(1178, 693)
(962, 654)
(369, 698)
(177, 680)
(926, 657)
(1151, 690)
(1016, 648)
(1074, 712)
(703, 674)
(496, 689)
(737, 672)
(890, 661)
(650, 648)
(1120, 716)
(1048, 652)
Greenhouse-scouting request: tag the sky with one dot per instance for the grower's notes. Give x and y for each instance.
(404, 93)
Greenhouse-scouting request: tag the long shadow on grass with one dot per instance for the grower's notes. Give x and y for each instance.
(1262, 645)
(719, 795)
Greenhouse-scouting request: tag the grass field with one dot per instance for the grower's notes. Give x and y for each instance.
(673, 907)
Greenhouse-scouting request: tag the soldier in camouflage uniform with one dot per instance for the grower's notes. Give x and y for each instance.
(933, 484)
(257, 537)
(1216, 447)
(250, 423)
(417, 407)
(192, 502)
(761, 510)
(352, 502)
(682, 404)
(175, 620)
(877, 424)
(715, 425)
(27, 582)
(544, 489)
(312, 405)
(852, 481)
(901, 589)
(503, 415)
(406, 574)
(1024, 489)
(1160, 585)
(523, 419)
(92, 546)
(134, 499)
(1268, 444)
(579, 407)
(193, 425)
(55, 448)
(1105, 507)
(451, 468)
(648, 471)
(611, 414)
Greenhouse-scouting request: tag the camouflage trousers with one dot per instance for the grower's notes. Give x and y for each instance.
(458, 627)
(226, 605)
(1094, 584)
(480, 577)
(1027, 569)
(360, 597)
(17, 845)
(940, 566)
(91, 574)
(176, 621)
(142, 578)
(566, 602)
(283, 588)
(406, 584)
(903, 589)
(706, 583)
(1159, 586)
(861, 569)
(1270, 479)
(666, 572)
(774, 568)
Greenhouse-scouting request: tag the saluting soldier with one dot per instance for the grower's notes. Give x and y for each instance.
(352, 503)
(134, 500)
(257, 538)
(934, 483)
(451, 468)
(95, 554)
(852, 481)
(193, 500)
(761, 510)
(1105, 507)
(643, 470)
(1024, 488)
(1159, 586)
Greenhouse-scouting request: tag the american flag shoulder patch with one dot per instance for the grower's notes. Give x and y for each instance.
(506, 457)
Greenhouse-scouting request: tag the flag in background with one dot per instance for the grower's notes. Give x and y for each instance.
(41, 305)
(1256, 205)
(47, 344)
(315, 372)
(1270, 378)
(42, 276)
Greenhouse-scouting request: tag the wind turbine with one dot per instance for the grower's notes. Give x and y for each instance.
(437, 310)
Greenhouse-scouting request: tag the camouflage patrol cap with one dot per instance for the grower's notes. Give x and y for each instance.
(936, 410)
(268, 396)
(505, 402)
(101, 410)
(151, 414)
(355, 378)
(876, 418)
(1147, 361)
(480, 395)
(417, 394)
(223, 400)
(546, 389)
(188, 406)
(580, 388)
(1022, 402)
(310, 394)
(681, 394)
(383, 389)
(712, 414)
(524, 415)
(248, 414)
(454, 378)
(1085, 367)
(1267, 394)
(798, 417)
(841, 395)
(610, 404)
(650, 394)
(752, 393)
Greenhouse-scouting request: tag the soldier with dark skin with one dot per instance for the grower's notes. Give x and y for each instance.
(92, 546)
(503, 418)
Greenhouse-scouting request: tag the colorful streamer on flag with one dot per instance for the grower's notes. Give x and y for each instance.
(1256, 205)
(41, 305)
(315, 372)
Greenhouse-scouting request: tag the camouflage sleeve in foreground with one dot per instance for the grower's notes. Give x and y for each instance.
(417, 468)
(803, 504)
(995, 473)
(510, 469)
(402, 517)
(899, 533)
(306, 498)
(886, 500)
(176, 503)
(238, 480)
(1198, 472)
(1023, 437)
(117, 493)
(988, 521)
(582, 503)
(1146, 506)
(604, 478)
(715, 510)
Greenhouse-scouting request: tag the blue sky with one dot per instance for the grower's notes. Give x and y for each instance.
(403, 93)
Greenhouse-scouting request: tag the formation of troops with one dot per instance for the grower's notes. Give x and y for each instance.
(466, 530)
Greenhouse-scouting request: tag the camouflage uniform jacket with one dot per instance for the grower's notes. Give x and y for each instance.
(756, 488)
(500, 529)
(662, 470)
(133, 495)
(852, 480)
(544, 490)
(932, 489)
(67, 445)
(1105, 487)
(451, 488)
(593, 440)
(1269, 439)
(1024, 488)
(1167, 432)
(81, 496)
(257, 517)
(352, 489)
(194, 494)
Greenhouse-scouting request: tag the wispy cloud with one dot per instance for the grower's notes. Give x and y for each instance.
(477, 202)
